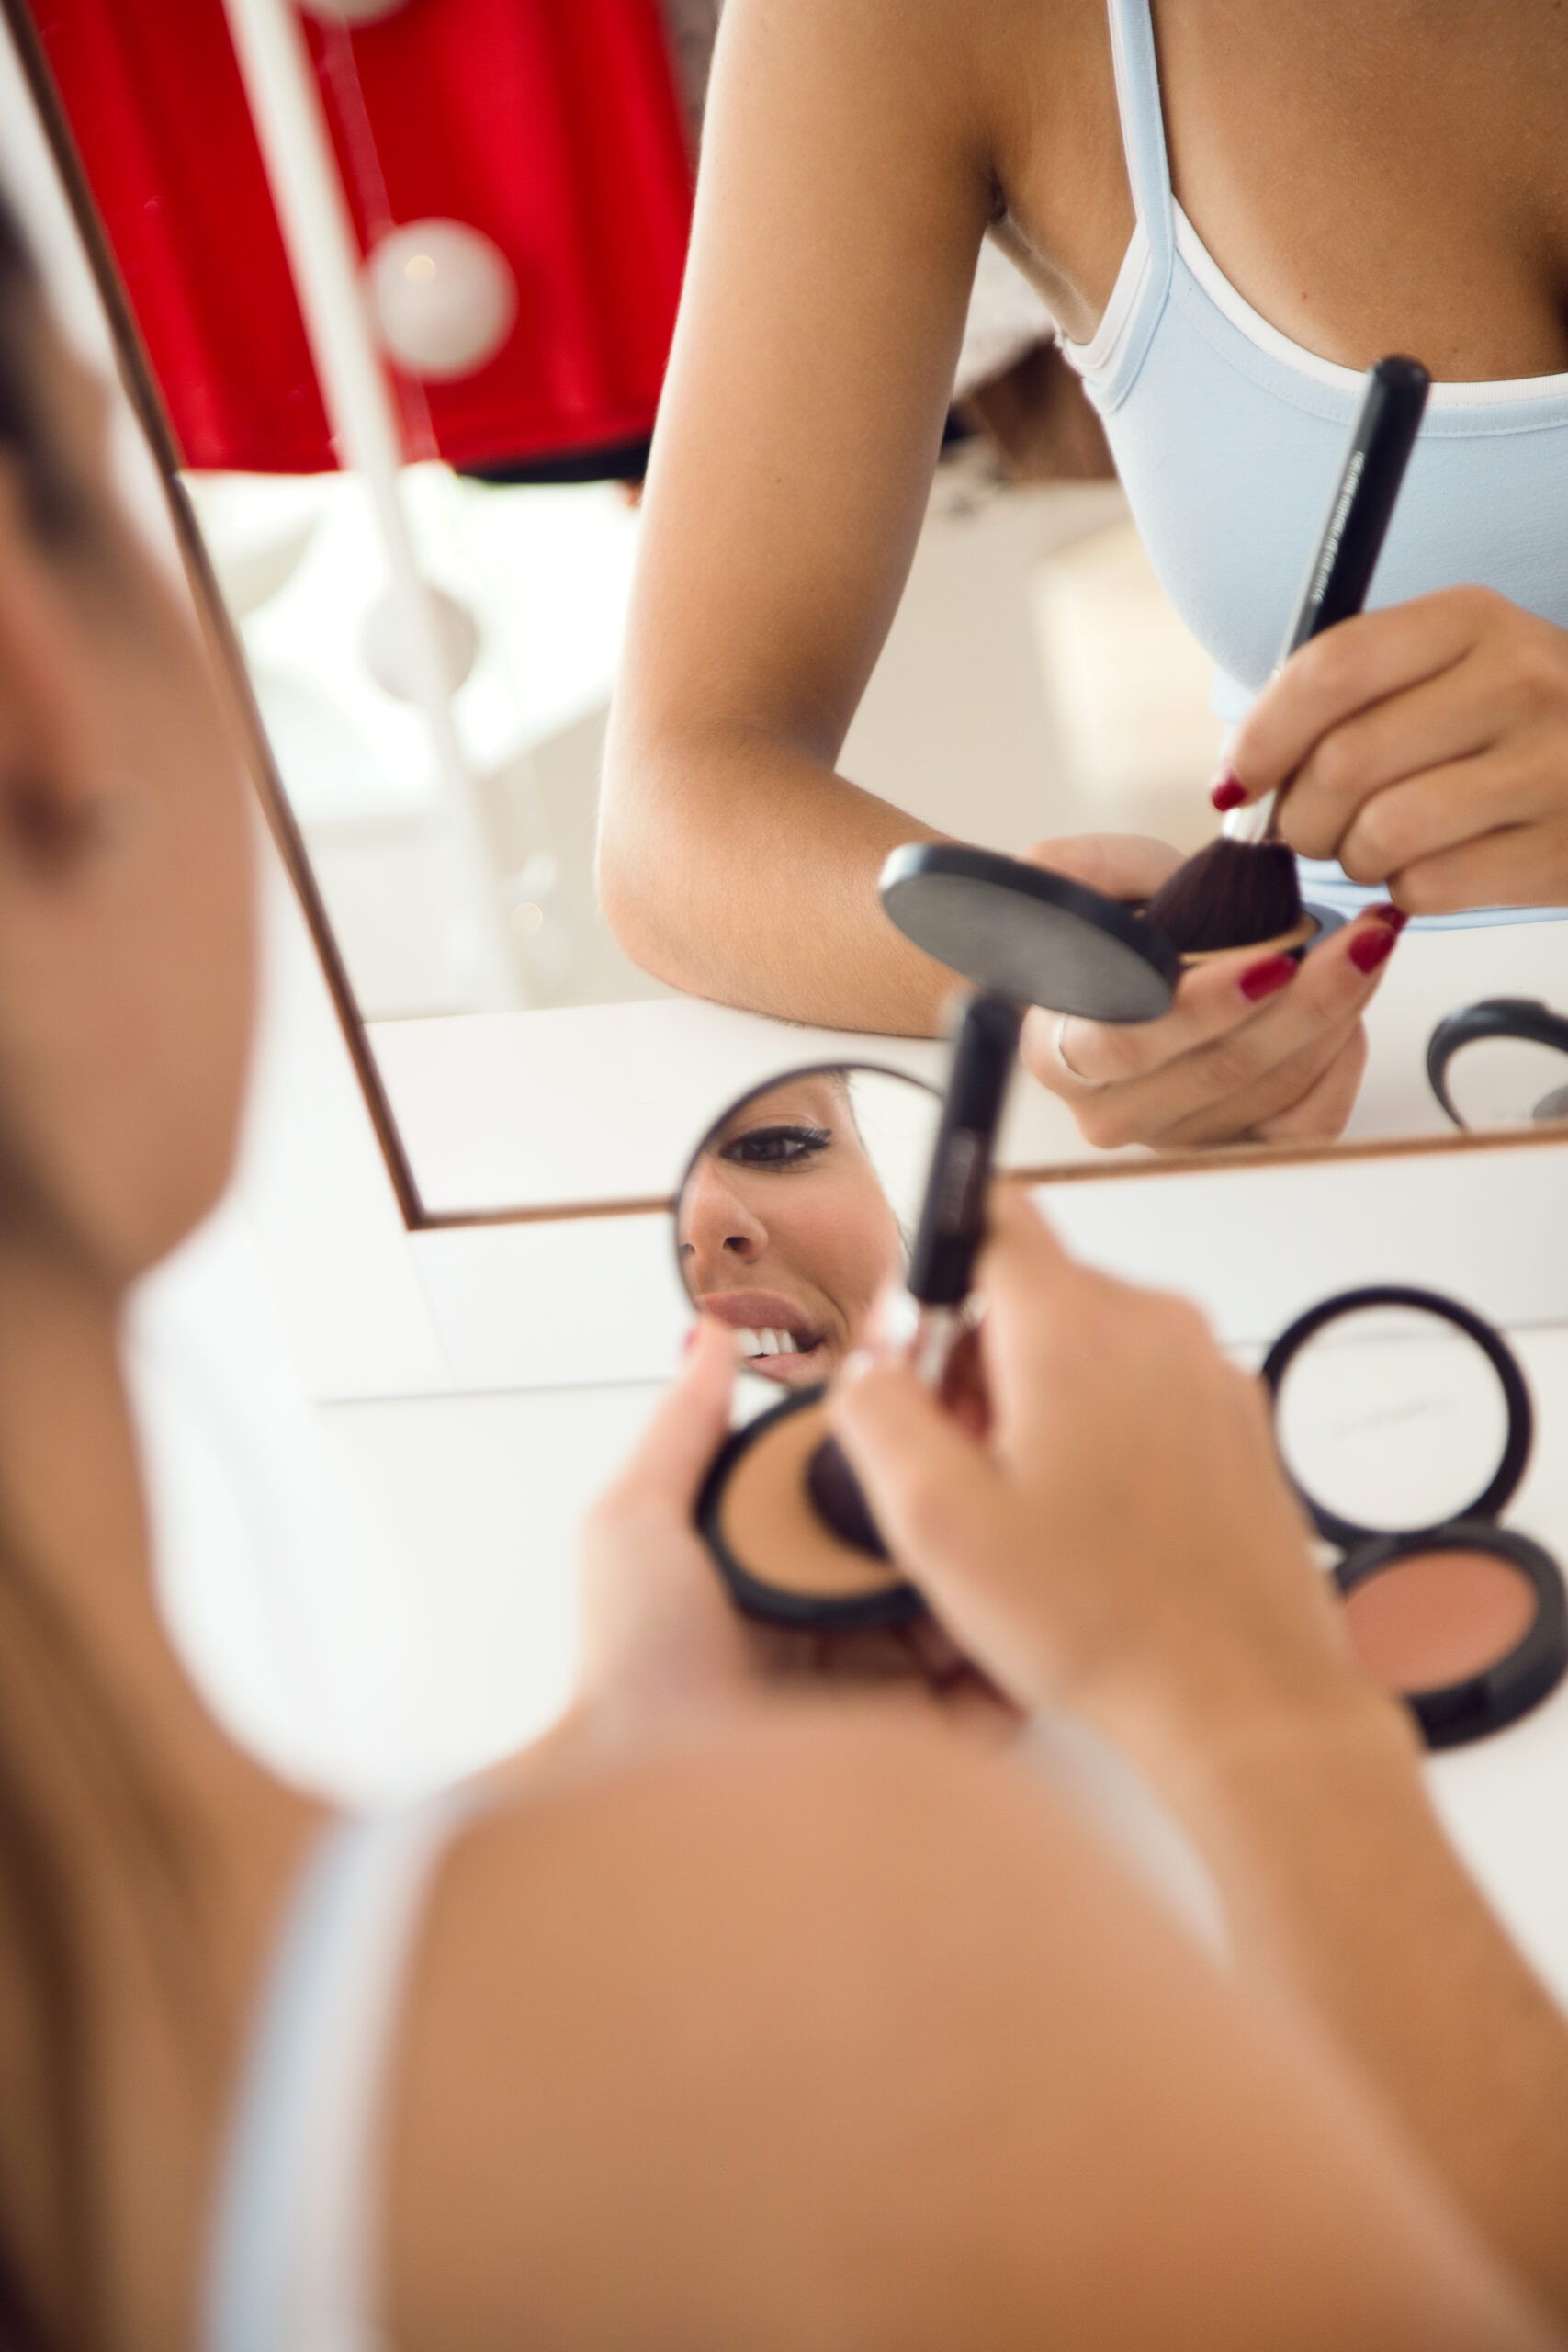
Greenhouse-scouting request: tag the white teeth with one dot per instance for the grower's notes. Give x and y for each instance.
(766, 1342)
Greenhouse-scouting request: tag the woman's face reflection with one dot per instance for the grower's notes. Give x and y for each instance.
(785, 1233)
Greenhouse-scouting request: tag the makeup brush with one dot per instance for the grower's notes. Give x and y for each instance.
(1242, 891)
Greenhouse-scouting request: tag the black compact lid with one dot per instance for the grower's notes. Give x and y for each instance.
(1026, 933)
(1519, 1419)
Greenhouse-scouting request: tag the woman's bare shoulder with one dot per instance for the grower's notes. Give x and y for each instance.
(793, 2033)
(955, 52)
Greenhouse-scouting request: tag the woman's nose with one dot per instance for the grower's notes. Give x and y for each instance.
(717, 1230)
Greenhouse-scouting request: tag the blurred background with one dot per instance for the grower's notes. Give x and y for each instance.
(405, 276)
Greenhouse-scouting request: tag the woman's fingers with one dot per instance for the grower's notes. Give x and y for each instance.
(1525, 867)
(1445, 721)
(688, 1427)
(1417, 734)
(1348, 668)
(1288, 1089)
(1217, 1063)
(923, 1476)
(1326, 1104)
(1510, 792)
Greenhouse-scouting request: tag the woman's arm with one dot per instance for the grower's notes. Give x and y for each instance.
(1167, 1592)
(843, 194)
(848, 170)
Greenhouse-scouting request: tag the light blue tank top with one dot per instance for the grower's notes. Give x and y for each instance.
(1227, 435)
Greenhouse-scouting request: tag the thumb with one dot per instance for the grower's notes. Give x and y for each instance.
(687, 1429)
(942, 1508)
(927, 1483)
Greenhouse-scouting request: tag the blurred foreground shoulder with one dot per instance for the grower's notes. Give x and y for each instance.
(844, 2033)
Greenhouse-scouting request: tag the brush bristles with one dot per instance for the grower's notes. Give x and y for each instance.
(1232, 894)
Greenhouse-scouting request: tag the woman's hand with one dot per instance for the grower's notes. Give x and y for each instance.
(1254, 1047)
(663, 1638)
(1426, 748)
(1124, 1540)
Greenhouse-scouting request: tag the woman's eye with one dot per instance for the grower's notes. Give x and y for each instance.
(777, 1147)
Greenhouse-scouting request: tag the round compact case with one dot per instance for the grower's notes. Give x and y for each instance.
(1040, 938)
(1501, 1063)
(1405, 1425)
(792, 1550)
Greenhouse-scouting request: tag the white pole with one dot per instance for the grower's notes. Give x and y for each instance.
(286, 107)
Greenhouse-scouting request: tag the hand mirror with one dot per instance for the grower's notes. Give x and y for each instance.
(827, 1196)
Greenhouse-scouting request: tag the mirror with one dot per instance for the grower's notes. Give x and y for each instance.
(795, 1226)
(798, 1210)
(423, 535)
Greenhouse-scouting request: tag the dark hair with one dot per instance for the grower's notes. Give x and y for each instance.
(40, 1656)
(55, 501)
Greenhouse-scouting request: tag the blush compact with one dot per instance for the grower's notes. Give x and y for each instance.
(1406, 1426)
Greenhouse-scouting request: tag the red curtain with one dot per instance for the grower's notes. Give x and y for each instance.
(552, 126)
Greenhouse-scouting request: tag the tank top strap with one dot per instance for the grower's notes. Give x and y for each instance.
(293, 2259)
(1143, 125)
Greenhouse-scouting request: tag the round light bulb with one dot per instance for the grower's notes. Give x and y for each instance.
(389, 657)
(444, 298)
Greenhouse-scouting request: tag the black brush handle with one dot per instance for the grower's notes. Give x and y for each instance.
(1363, 505)
(952, 1215)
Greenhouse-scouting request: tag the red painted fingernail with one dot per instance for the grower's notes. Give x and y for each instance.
(689, 1341)
(1262, 978)
(1229, 792)
(1370, 948)
(1394, 917)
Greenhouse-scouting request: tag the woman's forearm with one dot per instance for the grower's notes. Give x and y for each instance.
(1339, 1881)
(742, 868)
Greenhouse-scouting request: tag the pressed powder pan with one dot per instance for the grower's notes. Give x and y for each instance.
(1039, 938)
(778, 1558)
(1464, 1620)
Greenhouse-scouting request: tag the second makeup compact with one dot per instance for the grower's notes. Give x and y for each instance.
(1405, 1425)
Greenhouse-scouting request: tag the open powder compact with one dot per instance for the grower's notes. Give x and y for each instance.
(1405, 1423)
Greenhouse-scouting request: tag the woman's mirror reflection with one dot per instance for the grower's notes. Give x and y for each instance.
(797, 1212)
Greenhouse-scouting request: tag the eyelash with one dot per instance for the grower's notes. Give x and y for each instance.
(779, 1150)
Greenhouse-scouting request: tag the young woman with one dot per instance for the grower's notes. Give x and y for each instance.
(718, 2024)
(1230, 210)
